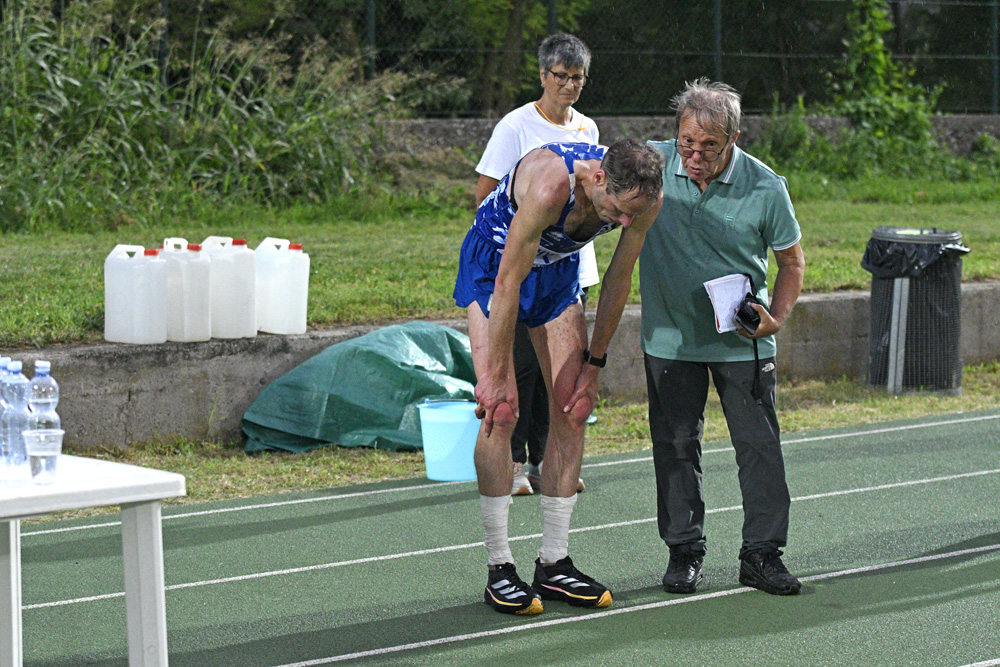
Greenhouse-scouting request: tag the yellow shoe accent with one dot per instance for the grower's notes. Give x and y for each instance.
(535, 608)
(605, 600)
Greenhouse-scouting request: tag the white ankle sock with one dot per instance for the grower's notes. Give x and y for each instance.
(494, 510)
(555, 528)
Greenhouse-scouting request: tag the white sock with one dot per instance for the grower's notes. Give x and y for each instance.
(494, 510)
(555, 528)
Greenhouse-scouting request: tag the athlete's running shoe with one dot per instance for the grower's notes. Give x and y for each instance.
(506, 592)
(562, 581)
(521, 485)
(534, 474)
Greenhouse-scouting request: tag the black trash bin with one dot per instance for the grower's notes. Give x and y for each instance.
(916, 303)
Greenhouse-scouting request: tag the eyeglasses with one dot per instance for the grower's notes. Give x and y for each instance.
(562, 78)
(706, 155)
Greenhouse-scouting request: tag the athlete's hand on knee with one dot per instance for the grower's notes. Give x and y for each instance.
(501, 413)
(495, 402)
(585, 392)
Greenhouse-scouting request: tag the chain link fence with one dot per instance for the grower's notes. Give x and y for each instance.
(482, 51)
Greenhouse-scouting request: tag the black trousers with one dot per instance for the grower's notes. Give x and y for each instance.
(527, 443)
(678, 391)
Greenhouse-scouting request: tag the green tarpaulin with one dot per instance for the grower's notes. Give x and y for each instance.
(362, 392)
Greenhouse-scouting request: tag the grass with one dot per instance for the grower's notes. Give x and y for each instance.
(390, 254)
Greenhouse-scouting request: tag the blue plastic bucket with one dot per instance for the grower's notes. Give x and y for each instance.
(448, 430)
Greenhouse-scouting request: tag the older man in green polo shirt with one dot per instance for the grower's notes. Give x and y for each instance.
(722, 210)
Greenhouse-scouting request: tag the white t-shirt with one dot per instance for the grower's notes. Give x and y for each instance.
(524, 129)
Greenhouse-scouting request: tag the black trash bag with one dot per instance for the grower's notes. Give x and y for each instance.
(899, 252)
(363, 392)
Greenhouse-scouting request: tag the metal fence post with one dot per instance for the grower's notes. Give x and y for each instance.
(164, 55)
(370, 39)
(995, 55)
(718, 39)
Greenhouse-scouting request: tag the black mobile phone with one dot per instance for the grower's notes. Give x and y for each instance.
(746, 317)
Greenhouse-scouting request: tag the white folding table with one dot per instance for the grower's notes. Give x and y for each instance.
(80, 483)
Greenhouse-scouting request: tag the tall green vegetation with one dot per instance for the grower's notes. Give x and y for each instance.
(890, 117)
(91, 135)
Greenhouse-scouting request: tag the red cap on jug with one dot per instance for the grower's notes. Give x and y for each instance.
(295, 246)
(194, 246)
(239, 241)
(151, 251)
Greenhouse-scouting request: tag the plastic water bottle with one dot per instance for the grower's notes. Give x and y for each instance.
(3, 404)
(43, 397)
(15, 389)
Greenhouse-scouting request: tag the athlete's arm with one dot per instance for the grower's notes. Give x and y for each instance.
(615, 288)
(541, 190)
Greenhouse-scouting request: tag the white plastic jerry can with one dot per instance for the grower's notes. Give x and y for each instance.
(233, 287)
(189, 306)
(282, 287)
(135, 291)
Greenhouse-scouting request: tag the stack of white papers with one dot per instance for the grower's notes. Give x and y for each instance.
(726, 294)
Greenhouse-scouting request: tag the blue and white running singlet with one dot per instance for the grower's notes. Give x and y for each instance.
(496, 212)
(553, 284)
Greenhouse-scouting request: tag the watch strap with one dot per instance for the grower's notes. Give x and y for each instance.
(595, 361)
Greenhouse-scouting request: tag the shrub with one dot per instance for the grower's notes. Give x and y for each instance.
(92, 136)
(891, 130)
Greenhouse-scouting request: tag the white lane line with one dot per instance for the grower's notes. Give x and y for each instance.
(894, 429)
(472, 545)
(985, 663)
(257, 506)
(432, 485)
(819, 438)
(628, 610)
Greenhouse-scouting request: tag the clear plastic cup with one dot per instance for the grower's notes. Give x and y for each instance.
(43, 447)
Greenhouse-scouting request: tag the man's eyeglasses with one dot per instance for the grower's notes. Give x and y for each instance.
(706, 155)
(562, 79)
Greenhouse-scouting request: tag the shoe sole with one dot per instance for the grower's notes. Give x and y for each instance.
(683, 588)
(558, 594)
(754, 582)
(513, 608)
(522, 491)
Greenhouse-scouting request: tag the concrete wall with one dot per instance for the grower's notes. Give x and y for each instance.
(115, 394)
(418, 136)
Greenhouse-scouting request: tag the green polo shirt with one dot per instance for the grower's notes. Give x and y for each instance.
(699, 236)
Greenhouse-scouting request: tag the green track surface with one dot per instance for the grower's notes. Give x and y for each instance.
(895, 531)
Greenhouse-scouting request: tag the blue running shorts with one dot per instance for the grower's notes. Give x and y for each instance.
(545, 293)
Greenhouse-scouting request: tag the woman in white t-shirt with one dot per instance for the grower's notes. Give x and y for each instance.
(563, 63)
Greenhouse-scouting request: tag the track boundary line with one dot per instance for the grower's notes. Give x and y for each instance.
(374, 492)
(642, 607)
(471, 545)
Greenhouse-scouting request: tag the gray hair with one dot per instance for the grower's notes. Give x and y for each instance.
(563, 49)
(715, 105)
(632, 164)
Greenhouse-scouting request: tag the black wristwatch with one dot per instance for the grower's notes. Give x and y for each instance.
(595, 361)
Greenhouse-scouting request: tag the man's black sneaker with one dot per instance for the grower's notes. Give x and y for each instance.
(764, 570)
(683, 572)
(506, 592)
(562, 581)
